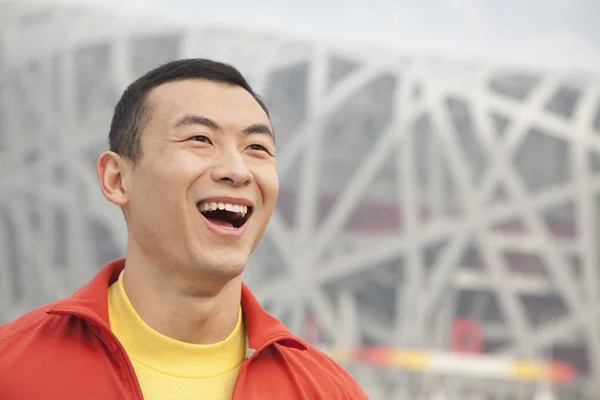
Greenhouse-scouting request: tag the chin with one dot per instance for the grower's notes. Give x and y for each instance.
(228, 266)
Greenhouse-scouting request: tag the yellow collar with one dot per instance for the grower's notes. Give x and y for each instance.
(169, 356)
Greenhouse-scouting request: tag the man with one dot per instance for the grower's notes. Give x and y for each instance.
(192, 165)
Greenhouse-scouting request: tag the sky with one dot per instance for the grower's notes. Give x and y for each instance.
(547, 33)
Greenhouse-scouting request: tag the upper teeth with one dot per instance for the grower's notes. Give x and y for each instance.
(211, 206)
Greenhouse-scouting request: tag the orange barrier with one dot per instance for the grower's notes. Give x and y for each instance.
(469, 365)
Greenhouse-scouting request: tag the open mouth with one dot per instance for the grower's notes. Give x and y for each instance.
(226, 215)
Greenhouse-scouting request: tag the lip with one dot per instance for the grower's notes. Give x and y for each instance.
(230, 200)
(223, 231)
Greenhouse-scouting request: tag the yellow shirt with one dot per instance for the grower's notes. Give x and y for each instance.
(169, 369)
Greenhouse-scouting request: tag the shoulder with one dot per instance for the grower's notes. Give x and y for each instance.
(324, 364)
(27, 339)
(317, 374)
(24, 326)
(24, 342)
(61, 353)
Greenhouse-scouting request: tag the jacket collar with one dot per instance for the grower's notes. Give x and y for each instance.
(91, 300)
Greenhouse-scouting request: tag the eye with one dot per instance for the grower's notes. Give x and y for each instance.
(258, 147)
(201, 139)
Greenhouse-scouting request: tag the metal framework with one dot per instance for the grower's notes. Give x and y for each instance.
(414, 192)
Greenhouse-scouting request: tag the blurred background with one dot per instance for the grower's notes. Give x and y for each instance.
(440, 175)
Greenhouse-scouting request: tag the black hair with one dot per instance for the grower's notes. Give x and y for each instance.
(132, 110)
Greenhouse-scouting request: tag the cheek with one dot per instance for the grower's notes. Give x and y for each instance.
(175, 171)
(160, 186)
(269, 184)
(151, 193)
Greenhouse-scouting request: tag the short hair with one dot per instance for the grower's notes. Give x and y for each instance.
(132, 111)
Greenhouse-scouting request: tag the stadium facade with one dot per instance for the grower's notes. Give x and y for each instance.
(428, 207)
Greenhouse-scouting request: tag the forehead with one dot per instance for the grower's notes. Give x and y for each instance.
(229, 105)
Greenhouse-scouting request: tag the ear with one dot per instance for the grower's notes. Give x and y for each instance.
(111, 170)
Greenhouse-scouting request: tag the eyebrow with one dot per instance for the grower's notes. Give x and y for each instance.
(195, 119)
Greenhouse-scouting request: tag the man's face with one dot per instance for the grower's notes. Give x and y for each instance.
(206, 184)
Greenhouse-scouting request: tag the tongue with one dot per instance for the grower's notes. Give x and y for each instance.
(221, 222)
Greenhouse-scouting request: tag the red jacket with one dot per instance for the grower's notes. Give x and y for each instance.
(66, 351)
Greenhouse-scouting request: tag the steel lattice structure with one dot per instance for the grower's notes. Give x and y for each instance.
(413, 191)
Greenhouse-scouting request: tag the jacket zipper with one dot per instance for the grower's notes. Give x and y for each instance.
(247, 362)
(102, 325)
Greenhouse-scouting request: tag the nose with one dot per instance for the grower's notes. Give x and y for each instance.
(231, 169)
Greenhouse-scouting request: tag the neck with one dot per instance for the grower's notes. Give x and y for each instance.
(180, 304)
